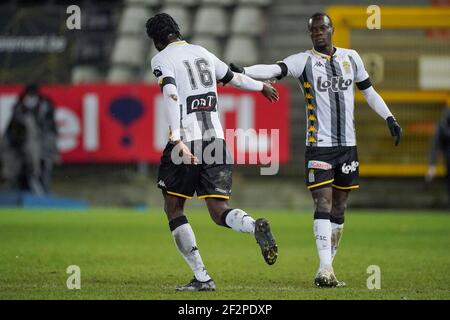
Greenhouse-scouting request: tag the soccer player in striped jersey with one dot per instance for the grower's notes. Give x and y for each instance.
(327, 75)
(188, 76)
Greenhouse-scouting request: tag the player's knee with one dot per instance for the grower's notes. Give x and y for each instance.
(216, 210)
(172, 211)
(323, 204)
(339, 208)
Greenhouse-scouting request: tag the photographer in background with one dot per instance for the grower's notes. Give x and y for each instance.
(29, 145)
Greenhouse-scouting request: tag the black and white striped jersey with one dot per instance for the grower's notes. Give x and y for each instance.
(195, 72)
(328, 86)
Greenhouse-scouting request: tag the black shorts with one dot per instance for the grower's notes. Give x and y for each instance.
(209, 178)
(332, 166)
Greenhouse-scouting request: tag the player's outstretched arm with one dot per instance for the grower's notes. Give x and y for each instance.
(377, 103)
(243, 82)
(259, 71)
(239, 80)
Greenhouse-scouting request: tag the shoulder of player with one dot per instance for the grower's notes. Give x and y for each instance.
(163, 57)
(348, 51)
(156, 59)
(200, 48)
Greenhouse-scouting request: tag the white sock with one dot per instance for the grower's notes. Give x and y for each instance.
(185, 241)
(322, 233)
(240, 221)
(336, 235)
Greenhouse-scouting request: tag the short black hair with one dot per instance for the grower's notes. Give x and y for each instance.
(161, 26)
(318, 15)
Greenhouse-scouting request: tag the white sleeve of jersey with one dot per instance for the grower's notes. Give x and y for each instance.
(162, 68)
(221, 67)
(376, 102)
(263, 71)
(164, 72)
(172, 110)
(295, 64)
(244, 82)
(361, 73)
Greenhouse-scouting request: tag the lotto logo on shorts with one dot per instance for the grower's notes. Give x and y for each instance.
(347, 168)
(314, 164)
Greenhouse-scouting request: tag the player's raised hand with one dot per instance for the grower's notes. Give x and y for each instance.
(186, 154)
(236, 68)
(270, 92)
(396, 130)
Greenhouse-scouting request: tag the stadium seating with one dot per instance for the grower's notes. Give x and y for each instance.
(143, 2)
(219, 2)
(188, 3)
(247, 21)
(128, 50)
(133, 20)
(231, 29)
(212, 43)
(255, 2)
(85, 73)
(121, 74)
(242, 50)
(114, 38)
(182, 17)
(211, 20)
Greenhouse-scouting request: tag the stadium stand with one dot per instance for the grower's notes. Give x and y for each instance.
(189, 3)
(113, 47)
(247, 21)
(210, 42)
(133, 18)
(182, 15)
(211, 20)
(219, 2)
(242, 50)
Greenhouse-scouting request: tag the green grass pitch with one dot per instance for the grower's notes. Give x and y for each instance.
(127, 254)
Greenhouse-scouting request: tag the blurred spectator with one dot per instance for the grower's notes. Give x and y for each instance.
(29, 145)
(441, 141)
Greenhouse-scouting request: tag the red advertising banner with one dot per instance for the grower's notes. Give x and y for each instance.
(125, 123)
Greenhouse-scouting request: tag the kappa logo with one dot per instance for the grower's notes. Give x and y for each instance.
(347, 168)
(318, 64)
(314, 164)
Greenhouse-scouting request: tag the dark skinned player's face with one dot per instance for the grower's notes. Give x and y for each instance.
(321, 31)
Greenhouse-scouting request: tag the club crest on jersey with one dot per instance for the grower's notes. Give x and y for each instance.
(314, 164)
(336, 84)
(202, 102)
(346, 66)
(157, 72)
